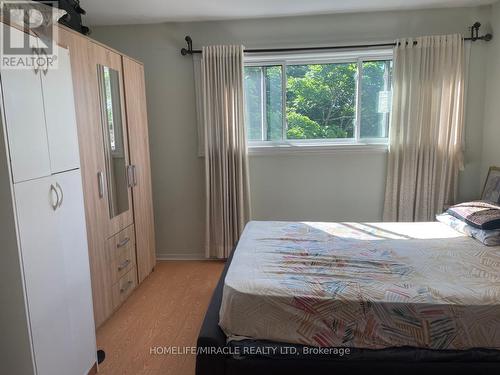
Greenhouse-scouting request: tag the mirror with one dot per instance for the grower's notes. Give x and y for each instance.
(114, 150)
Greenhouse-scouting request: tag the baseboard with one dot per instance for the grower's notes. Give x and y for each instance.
(180, 256)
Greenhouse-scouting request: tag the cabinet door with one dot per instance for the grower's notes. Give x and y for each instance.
(55, 263)
(92, 164)
(108, 68)
(45, 275)
(24, 114)
(137, 121)
(72, 240)
(60, 115)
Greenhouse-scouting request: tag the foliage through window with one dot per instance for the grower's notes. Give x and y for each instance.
(344, 101)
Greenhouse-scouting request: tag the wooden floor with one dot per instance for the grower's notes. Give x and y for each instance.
(167, 309)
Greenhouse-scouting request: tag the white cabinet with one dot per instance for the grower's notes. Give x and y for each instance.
(60, 115)
(44, 271)
(55, 261)
(41, 123)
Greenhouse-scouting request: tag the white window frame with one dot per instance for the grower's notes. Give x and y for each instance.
(319, 145)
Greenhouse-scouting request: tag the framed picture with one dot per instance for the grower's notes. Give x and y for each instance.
(491, 191)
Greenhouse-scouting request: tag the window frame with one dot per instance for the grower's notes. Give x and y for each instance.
(308, 58)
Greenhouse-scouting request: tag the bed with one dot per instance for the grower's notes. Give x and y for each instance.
(412, 296)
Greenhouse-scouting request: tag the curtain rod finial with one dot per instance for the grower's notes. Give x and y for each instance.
(474, 33)
(189, 50)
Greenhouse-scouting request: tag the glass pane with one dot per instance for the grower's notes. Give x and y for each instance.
(321, 101)
(253, 103)
(376, 96)
(116, 169)
(274, 102)
(263, 103)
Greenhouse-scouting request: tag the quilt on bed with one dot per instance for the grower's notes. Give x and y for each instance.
(363, 285)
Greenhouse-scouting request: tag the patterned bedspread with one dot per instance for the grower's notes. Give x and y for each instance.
(365, 285)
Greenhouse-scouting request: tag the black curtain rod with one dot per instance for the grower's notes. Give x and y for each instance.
(473, 37)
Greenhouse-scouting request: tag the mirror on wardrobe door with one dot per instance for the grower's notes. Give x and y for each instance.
(114, 150)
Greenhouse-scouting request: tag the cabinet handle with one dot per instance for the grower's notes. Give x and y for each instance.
(130, 175)
(129, 283)
(56, 204)
(124, 265)
(123, 243)
(62, 194)
(100, 184)
(134, 173)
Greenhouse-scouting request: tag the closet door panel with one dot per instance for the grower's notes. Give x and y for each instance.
(60, 115)
(45, 273)
(72, 238)
(101, 56)
(92, 163)
(135, 97)
(25, 121)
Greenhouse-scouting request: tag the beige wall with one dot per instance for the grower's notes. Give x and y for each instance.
(491, 136)
(336, 186)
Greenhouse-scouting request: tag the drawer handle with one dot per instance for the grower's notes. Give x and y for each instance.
(123, 243)
(124, 265)
(129, 283)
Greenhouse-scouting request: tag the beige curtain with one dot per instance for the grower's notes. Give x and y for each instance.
(226, 163)
(426, 136)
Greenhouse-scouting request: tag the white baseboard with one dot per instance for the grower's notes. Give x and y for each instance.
(180, 256)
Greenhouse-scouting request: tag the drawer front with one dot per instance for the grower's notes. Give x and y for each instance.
(124, 286)
(121, 248)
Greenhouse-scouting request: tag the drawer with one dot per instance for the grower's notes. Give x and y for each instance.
(124, 286)
(121, 248)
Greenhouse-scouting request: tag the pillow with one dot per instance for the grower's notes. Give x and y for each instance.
(479, 214)
(487, 237)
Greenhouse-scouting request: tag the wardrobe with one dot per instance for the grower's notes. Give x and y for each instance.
(76, 215)
(46, 315)
(112, 129)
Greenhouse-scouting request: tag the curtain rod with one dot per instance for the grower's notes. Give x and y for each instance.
(474, 36)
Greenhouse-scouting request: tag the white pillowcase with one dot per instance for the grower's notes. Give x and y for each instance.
(487, 237)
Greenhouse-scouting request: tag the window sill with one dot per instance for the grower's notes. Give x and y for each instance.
(317, 148)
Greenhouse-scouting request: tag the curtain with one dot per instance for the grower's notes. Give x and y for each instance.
(226, 159)
(198, 89)
(427, 125)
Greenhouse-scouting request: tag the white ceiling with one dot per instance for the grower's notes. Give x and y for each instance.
(114, 12)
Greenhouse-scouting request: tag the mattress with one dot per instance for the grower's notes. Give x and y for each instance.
(362, 285)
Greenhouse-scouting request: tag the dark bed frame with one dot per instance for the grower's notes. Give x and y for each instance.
(387, 361)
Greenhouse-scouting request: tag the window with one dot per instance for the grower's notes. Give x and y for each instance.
(264, 103)
(342, 98)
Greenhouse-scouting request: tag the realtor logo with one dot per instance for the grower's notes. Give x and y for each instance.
(29, 41)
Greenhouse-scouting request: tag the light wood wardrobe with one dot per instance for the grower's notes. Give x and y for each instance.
(114, 152)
